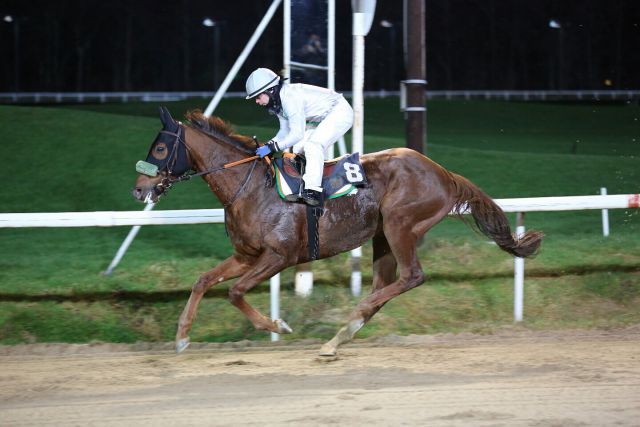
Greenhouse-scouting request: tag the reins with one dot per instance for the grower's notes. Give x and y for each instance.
(187, 177)
(168, 181)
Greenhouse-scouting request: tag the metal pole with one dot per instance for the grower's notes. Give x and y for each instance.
(415, 111)
(518, 286)
(125, 244)
(243, 56)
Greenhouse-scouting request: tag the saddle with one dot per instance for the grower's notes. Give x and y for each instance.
(340, 177)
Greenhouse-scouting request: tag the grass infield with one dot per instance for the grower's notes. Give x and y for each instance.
(81, 158)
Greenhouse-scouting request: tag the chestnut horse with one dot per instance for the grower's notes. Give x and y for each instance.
(406, 195)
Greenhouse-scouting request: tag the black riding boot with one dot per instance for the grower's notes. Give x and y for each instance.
(312, 197)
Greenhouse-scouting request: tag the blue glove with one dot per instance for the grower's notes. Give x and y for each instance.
(266, 149)
(263, 151)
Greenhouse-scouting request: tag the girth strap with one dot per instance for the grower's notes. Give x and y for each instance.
(313, 216)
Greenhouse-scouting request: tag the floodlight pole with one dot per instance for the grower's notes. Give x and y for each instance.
(415, 110)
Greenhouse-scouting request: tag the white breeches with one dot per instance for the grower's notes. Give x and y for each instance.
(316, 141)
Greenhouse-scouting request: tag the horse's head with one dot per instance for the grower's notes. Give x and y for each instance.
(168, 159)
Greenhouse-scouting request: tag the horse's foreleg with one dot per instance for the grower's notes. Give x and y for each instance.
(266, 266)
(384, 273)
(228, 269)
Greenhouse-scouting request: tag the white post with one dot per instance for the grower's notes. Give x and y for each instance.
(303, 278)
(518, 286)
(363, 11)
(357, 132)
(125, 244)
(274, 287)
(303, 283)
(605, 215)
(356, 274)
(243, 56)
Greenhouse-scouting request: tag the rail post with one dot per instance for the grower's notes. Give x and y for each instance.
(274, 287)
(518, 284)
(605, 215)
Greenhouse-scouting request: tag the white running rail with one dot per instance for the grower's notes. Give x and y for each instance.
(201, 216)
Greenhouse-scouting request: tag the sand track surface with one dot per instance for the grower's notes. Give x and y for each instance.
(515, 378)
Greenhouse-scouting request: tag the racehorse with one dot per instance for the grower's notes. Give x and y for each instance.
(406, 194)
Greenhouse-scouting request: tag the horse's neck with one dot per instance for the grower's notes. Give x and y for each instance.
(210, 153)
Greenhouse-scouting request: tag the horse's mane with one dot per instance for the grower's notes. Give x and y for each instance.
(220, 129)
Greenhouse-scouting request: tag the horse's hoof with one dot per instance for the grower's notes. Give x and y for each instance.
(326, 359)
(328, 350)
(282, 326)
(182, 344)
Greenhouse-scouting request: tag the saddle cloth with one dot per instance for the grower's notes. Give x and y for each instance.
(339, 178)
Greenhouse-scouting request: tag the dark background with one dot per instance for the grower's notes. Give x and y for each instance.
(159, 45)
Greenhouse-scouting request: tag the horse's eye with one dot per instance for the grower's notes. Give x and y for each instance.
(160, 151)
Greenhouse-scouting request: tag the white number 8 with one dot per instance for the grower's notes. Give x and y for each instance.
(353, 172)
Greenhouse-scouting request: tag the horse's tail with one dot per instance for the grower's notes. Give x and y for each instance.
(491, 220)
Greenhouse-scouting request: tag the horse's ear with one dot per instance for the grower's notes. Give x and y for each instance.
(165, 117)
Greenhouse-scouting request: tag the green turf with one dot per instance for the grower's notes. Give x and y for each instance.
(81, 158)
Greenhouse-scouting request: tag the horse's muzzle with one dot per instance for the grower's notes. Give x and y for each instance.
(149, 190)
(146, 196)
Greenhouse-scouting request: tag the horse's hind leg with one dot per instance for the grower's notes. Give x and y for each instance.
(228, 269)
(384, 273)
(384, 263)
(402, 237)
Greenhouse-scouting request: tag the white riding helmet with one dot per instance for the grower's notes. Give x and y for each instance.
(261, 80)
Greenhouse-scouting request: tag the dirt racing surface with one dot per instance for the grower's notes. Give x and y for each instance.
(514, 378)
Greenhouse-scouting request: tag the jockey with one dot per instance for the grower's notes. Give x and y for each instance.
(311, 118)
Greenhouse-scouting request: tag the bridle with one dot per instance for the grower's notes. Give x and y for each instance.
(178, 166)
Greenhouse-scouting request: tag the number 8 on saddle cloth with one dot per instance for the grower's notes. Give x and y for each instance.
(340, 177)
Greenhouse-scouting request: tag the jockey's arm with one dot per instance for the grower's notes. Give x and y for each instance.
(292, 128)
(283, 131)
